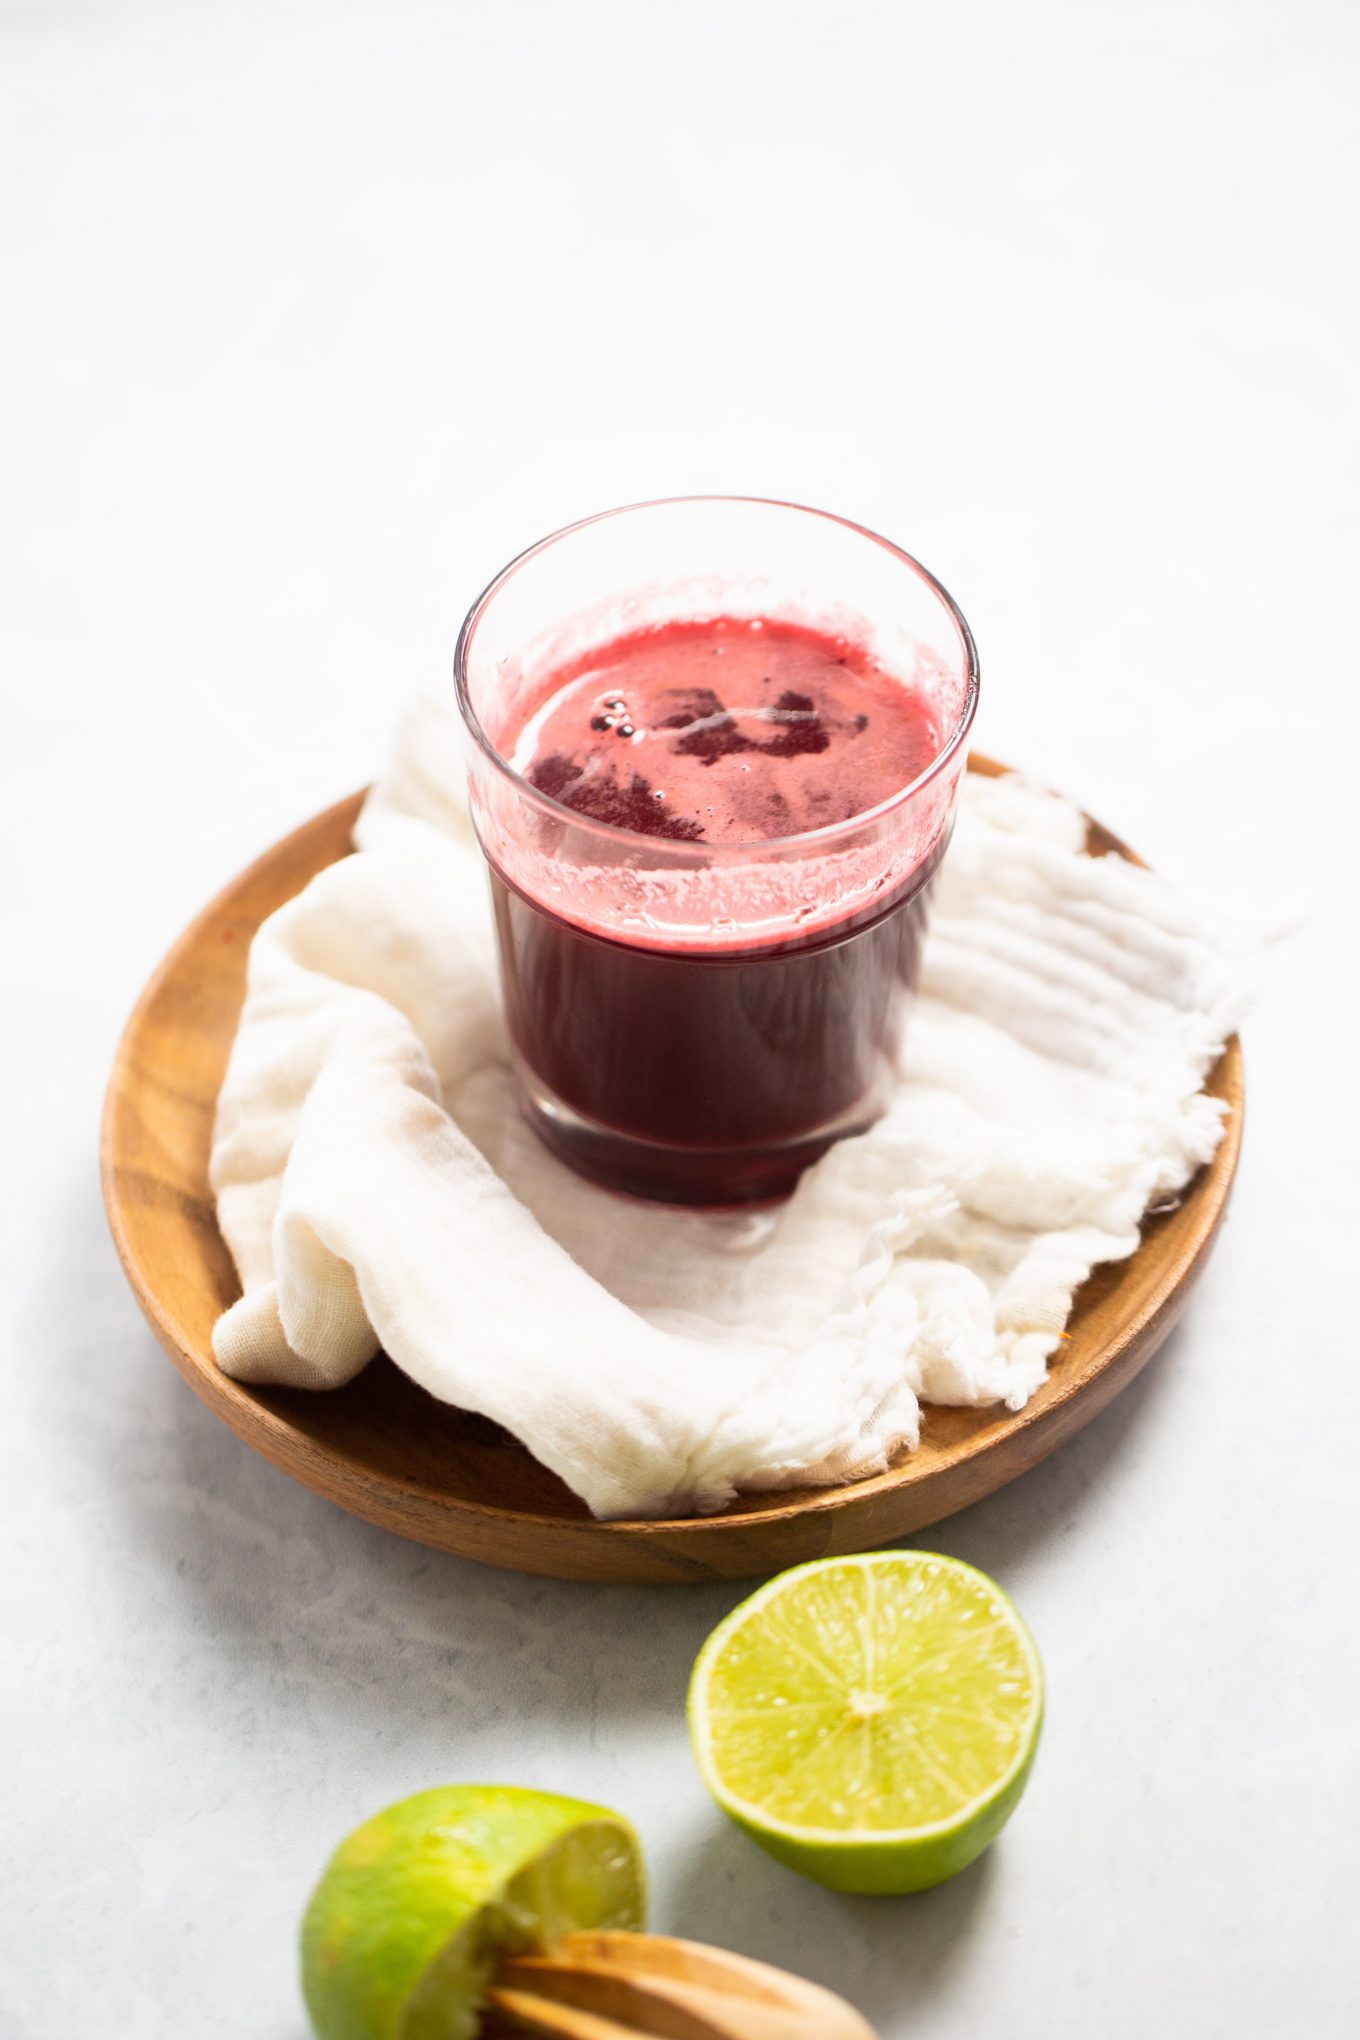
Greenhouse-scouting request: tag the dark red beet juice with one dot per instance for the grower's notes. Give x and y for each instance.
(703, 1063)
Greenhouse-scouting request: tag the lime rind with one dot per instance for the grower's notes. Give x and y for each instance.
(915, 1861)
(402, 1931)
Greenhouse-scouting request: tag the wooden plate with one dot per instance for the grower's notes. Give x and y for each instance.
(387, 1451)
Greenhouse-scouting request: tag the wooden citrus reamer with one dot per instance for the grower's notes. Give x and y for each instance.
(615, 1986)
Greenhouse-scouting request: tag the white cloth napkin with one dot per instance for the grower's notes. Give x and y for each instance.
(377, 1187)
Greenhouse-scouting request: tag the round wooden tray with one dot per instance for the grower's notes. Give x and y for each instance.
(384, 1449)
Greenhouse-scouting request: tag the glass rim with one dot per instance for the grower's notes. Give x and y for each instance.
(557, 810)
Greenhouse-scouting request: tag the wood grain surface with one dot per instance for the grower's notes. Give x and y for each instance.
(384, 1449)
(616, 1986)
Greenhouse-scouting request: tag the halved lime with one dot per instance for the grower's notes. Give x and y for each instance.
(413, 1909)
(871, 1721)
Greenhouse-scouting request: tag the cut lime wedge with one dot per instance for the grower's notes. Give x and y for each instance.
(871, 1721)
(415, 1906)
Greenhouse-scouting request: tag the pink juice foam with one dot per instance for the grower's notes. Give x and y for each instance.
(725, 732)
(702, 1068)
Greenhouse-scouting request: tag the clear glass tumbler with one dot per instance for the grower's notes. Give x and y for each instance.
(693, 1022)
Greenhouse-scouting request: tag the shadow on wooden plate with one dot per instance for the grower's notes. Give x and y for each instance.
(384, 1449)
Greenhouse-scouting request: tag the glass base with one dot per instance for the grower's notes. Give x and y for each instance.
(715, 1179)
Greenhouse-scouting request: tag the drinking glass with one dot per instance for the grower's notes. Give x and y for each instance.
(696, 1022)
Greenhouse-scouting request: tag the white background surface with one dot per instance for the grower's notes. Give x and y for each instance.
(312, 314)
